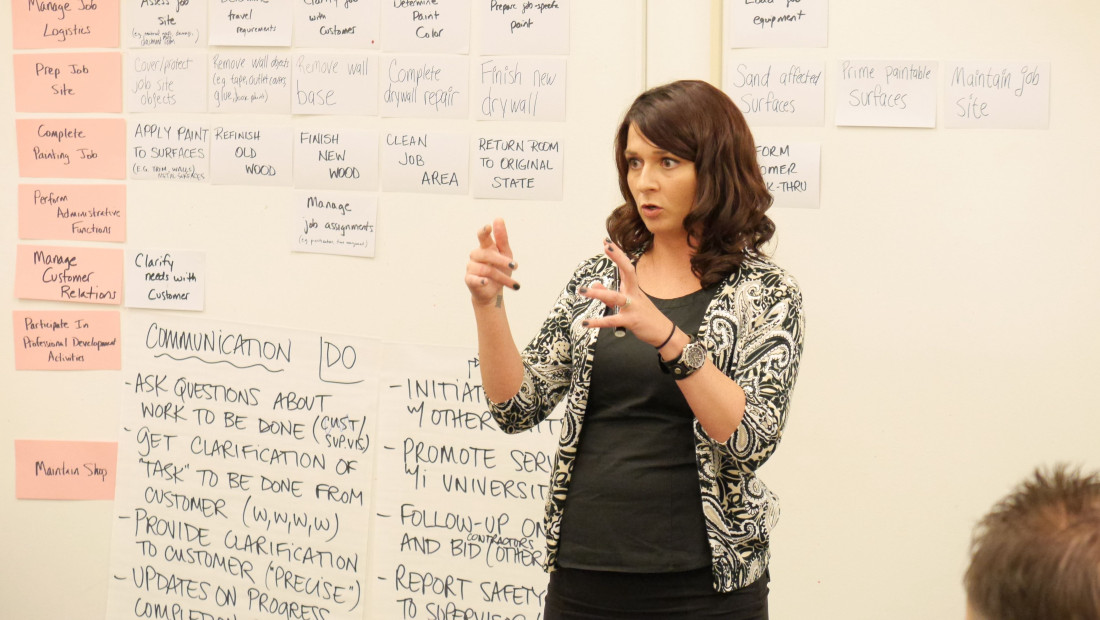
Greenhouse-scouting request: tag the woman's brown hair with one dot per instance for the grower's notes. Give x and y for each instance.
(697, 122)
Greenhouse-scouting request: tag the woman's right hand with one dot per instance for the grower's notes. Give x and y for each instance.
(491, 266)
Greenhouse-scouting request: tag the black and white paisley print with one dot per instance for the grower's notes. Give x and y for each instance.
(753, 329)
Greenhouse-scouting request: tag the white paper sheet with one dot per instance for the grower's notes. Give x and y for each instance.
(249, 82)
(792, 171)
(887, 93)
(337, 24)
(334, 222)
(425, 161)
(425, 86)
(165, 81)
(180, 23)
(332, 158)
(251, 155)
(335, 84)
(512, 88)
(523, 26)
(777, 23)
(1006, 95)
(435, 27)
(168, 149)
(254, 23)
(520, 167)
(165, 279)
(780, 92)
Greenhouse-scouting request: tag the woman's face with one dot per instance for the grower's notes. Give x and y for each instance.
(663, 185)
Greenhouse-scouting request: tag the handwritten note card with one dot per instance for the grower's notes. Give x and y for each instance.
(250, 82)
(1010, 95)
(431, 162)
(461, 500)
(777, 23)
(514, 89)
(887, 93)
(77, 340)
(165, 280)
(73, 148)
(81, 470)
(792, 171)
(425, 86)
(426, 26)
(779, 92)
(524, 26)
(517, 167)
(251, 22)
(167, 23)
(250, 449)
(336, 24)
(64, 273)
(252, 155)
(335, 84)
(336, 159)
(332, 222)
(64, 23)
(90, 82)
(169, 151)
(73, 212)
(166, 81)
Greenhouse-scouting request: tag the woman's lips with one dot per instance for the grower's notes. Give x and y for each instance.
(650, 209)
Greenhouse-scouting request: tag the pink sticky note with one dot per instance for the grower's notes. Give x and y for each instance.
(66, 273)
(73, 212)
(65, 469)
(71, 148)
(67, 340)
(64, 23)
(68, 82)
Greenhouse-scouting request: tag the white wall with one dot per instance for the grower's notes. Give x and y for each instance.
(950, 279)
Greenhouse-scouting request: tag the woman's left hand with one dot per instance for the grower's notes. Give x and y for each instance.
(634, 310)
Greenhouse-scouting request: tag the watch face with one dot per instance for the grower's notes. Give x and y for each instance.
(695, 353)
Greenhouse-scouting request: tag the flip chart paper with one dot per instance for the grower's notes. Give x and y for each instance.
(67, 340)
(75, 148)
(89, 82)
(72, 212)
(82, 470)
(274, 427)
(68, 273)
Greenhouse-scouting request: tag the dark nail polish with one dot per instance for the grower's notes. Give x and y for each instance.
(511, 265)
(584, 323)
(582, 290)
(515, 287)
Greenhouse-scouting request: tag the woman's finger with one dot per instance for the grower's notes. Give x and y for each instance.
(492, 257)
(500, 232)
(485, 236)
(622, 261)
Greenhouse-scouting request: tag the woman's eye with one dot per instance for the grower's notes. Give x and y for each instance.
(669, 162)
(633, 163)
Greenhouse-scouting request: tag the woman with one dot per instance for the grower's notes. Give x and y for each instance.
(676, 351)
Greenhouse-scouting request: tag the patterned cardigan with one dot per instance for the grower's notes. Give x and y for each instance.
(753, 331)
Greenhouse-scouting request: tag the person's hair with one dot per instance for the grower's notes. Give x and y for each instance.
(1036, 555)
(699, 123)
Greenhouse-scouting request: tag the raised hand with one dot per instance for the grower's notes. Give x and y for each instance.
(491, 265)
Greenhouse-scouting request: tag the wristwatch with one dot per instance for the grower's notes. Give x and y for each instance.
(687, 362)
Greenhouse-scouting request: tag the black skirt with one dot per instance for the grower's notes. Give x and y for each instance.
(576, 594)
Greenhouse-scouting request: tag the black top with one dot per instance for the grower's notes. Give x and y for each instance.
(634, 503)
